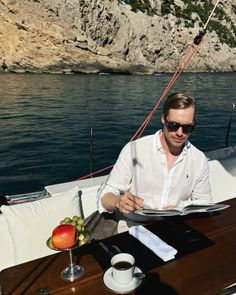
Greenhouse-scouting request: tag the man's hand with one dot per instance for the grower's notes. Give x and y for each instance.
(128, 202)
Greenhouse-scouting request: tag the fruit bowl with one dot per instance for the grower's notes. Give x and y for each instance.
(69, 232)
(79, 243)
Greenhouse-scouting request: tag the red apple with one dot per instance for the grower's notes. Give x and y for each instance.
(64, 236)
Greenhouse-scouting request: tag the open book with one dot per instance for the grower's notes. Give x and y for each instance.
(182, 211)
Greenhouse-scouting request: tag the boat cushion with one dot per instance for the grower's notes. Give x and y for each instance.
(7, 250)
(31, 224)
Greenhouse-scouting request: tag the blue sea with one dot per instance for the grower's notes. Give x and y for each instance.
(57, 128)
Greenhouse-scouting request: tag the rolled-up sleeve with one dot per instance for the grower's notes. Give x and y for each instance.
(119, 178)
(105, 188)
(202, 189)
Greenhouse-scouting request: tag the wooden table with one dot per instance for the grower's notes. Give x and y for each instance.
(203, 272)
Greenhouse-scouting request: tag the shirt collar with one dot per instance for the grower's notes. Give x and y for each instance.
(158, 141)
(186, 147)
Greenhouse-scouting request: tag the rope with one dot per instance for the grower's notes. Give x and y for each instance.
(191, 49)
(206, 24)
(95, 172)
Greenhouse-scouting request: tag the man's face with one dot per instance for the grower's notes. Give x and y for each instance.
(175, 136)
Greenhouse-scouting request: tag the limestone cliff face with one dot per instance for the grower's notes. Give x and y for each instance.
(64, 36)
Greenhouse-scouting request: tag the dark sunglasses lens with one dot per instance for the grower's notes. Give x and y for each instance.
(173, 126)
(187, 128)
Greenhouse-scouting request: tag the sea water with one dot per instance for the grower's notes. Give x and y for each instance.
(57, 128)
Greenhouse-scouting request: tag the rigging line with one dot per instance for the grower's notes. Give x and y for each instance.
(210, 16)
(183, 63)
(189, 54)
(144, 124)
(95, 172)
(153, 110)
(91, 146)
(229, 125)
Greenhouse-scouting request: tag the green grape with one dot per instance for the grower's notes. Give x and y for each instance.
(67, 220)
(62, 222)
(81, 237)
(87, 236)
(79, 227)
(82, 242)
(80, 221)
(73, 223)
(75, 218)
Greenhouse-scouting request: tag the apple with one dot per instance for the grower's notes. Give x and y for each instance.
(64, 236)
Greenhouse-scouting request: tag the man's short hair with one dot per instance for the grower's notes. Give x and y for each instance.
(177, 101)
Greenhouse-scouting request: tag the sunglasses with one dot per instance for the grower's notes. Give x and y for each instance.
(174, 126)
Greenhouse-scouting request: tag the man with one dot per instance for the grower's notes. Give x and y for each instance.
(160, 171)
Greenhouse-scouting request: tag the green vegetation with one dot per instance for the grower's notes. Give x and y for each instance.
(140, 5)
(168, 7)
(191, 13)
(226, 34)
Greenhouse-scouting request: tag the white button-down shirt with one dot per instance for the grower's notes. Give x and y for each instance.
(142, 169)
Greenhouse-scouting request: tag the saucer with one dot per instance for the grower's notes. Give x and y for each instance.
(121, 289)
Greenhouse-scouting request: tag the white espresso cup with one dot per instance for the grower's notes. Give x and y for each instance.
(122, 268)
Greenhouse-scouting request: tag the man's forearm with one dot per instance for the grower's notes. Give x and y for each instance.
(124, 203)
(109, 201)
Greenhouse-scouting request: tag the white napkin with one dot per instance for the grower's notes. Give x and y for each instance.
(153, 242)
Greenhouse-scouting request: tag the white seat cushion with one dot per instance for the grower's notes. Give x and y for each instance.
(31, 224)
(7, 250)
(88, 196)
(223, 183)
(89, 200)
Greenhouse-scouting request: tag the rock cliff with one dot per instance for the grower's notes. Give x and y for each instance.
(90, 36)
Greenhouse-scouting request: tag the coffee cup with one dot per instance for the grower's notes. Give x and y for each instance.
(122, 268)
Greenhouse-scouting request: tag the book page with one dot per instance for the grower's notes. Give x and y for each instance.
(186, 210)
